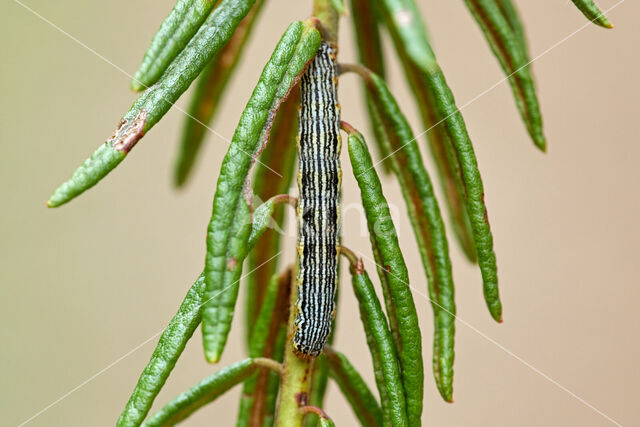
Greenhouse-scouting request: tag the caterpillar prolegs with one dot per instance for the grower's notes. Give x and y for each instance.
(319, 178)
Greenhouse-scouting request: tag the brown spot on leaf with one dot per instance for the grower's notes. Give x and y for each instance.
(129, 132)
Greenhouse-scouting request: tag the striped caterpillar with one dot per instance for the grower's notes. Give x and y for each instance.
(319, 178)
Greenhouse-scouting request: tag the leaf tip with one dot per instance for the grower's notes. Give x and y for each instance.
(55, 201)
(496, 311)
(542, 145)
(136, 84)
(445, 392)
(179, 178)
(212, 356)
(603, 22)
(539, 139)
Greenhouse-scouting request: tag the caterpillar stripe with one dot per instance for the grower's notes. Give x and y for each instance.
(319, 178)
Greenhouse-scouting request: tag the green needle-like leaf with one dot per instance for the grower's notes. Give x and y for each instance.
(167, 351)
(593, 14)
(392, 270)
(326, 422)
(296, 47)
(175, 32)
(410, 38)
(181, 328)
(152, 105)
(428, 228)
(207, 94)
(507, 47)
(510, 12)
(383, 352)
(446, 160)
(355, 390)
(221, 292)
(206, 391)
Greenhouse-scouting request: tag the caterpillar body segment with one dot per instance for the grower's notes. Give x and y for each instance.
(319, 179)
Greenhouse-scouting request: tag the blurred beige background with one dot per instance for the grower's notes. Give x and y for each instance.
(83, 287)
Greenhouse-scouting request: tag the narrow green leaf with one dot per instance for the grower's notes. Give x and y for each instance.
(409, 37)
(164, 357)
(364, 405)
(221, 293)
(326, 422)
(152, 105)
(206, 391)
(507, 48)
(593, 14)
(367, 35)
(175, 32)
(510, 12)
(382, 349)
(207, 94)
(428, 228)
(446, 160)
(313, 415)
(370, 54)
(296, 47)
(392, 270)
(280, 155)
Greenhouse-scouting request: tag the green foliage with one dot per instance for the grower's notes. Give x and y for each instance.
(281, 386)
(164, 357)
(392, 270)
(508, 47)
(382, 348)
(175, 33)
(410, 38)
(208, 92)
(593, 14)
(152, 105)
(363, 403)
(204, 392)
(428, 227)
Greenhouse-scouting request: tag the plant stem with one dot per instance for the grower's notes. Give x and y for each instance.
(324, 11)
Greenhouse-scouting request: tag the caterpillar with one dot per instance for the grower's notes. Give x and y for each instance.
(319, 177)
